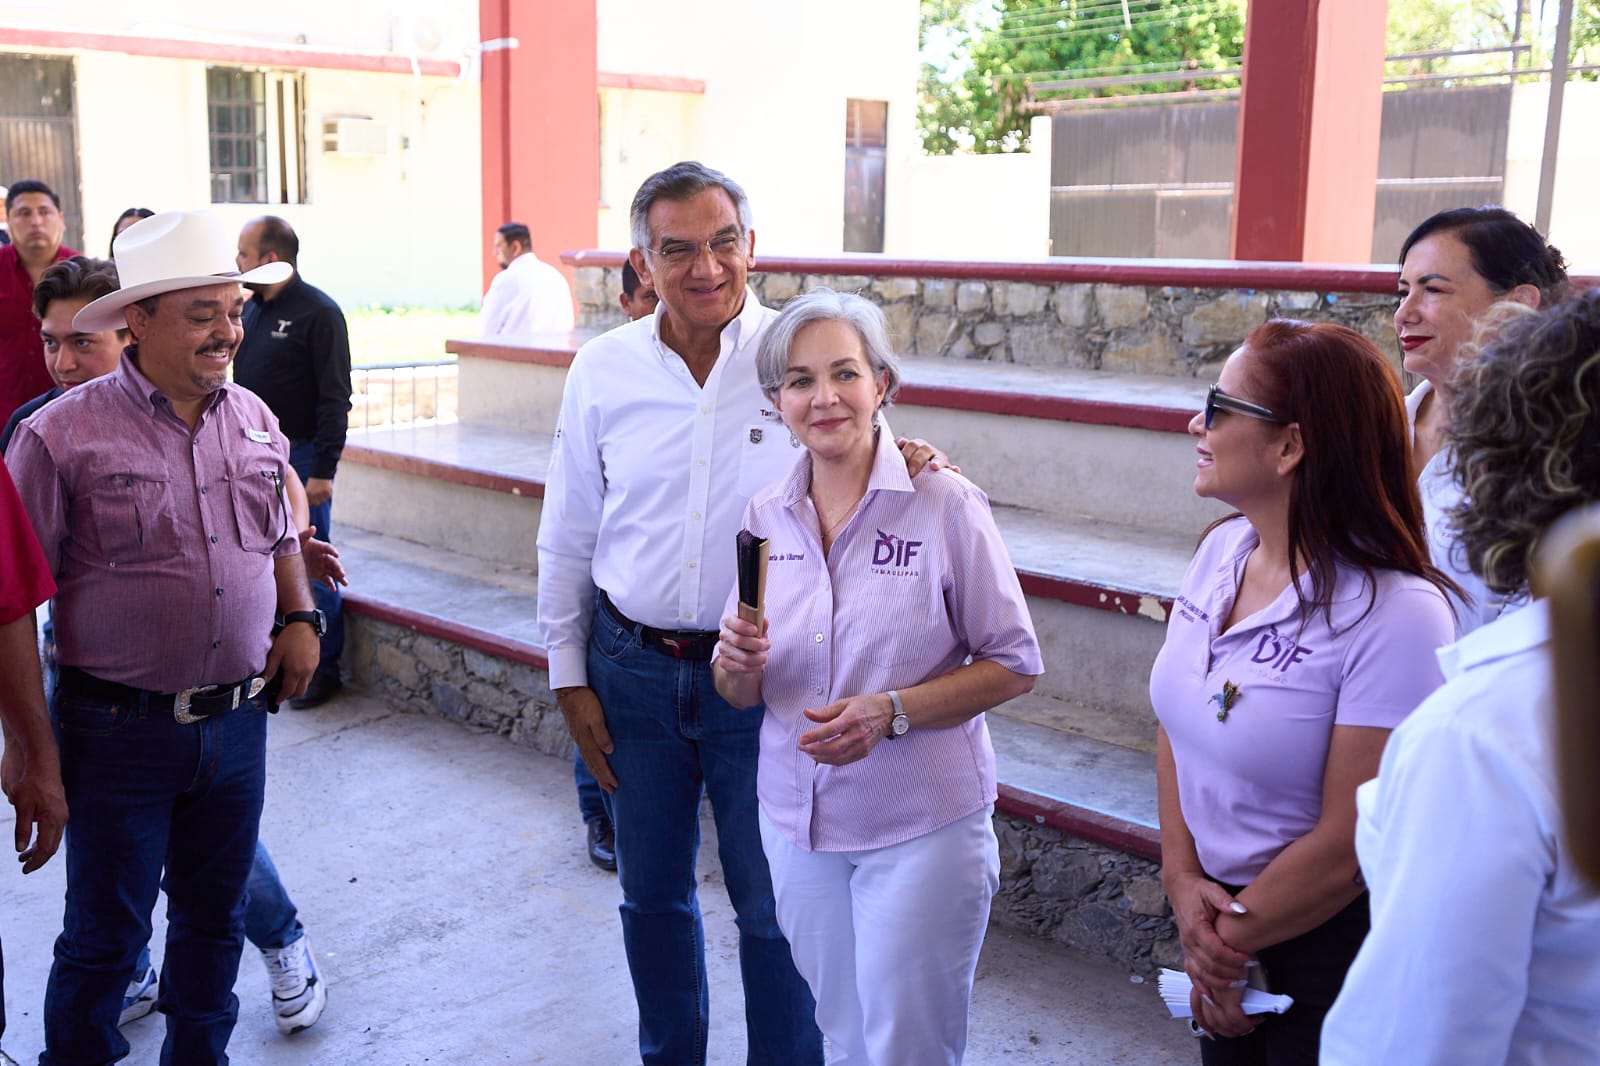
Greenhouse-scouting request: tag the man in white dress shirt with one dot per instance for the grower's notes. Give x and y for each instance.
(528, 295)
(663, 435)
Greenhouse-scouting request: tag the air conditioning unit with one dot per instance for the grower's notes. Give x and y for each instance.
(354, 136)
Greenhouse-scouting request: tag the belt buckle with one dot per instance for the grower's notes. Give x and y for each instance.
(180, 705)
(248, 690)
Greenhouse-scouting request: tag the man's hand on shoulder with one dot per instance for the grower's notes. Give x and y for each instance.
(586, 721)
(920, 456)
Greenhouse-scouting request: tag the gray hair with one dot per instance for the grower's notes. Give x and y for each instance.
(681, 181)
(825, 305)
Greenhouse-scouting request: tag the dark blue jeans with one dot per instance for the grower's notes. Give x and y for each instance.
(675, 737)
(143, 793)
(327, 600)
(271, 919)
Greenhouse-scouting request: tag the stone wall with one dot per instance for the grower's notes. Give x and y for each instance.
(1127, 328)
(1094, 899)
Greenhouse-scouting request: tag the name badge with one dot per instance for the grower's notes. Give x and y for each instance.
(260, 436)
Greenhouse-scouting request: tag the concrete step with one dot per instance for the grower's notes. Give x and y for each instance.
(1068, 442)
(1099, 593)
(493, 609)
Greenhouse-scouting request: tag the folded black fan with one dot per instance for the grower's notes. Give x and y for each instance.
(752, 577)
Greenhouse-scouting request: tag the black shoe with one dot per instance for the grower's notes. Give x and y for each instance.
(321, 689)
(603, 844)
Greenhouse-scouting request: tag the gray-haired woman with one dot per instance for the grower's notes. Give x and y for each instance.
(876, 777)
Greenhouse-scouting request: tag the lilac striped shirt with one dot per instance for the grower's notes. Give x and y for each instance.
(917, 580)
(162, 540)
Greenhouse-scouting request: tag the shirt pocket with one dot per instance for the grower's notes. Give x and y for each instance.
(260, 506)
(134, 519)
(906, 621)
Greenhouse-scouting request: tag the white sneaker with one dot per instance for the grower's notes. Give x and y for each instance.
(298, 994)
(140, 999)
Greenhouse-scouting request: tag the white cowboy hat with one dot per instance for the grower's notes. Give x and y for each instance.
(164, 253)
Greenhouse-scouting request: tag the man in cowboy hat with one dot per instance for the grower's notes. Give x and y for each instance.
(157, 495)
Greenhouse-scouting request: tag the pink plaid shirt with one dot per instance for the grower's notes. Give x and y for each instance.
(162, 540)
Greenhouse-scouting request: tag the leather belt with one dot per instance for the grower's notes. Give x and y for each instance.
(189, 706)
(678, 643)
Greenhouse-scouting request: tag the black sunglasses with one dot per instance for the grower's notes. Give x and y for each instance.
(1216, 398)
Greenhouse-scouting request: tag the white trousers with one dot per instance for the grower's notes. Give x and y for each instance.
(888, 938)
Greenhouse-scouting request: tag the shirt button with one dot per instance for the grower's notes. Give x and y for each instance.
(219, 592)
(705, 410)
(699, 462)
(695, 515)
(204, 490)
(687, 616)
(216, 643)
(691, 565)
(213, 539)
(112, 564)
(817, 691)
(817, 638)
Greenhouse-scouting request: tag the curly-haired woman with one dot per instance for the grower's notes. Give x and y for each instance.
(1485, 943)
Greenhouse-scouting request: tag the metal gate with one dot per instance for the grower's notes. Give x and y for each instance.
(38, 137)
(1156, 180)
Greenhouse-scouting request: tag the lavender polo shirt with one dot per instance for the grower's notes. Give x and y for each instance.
(162, 539)
(916, 581)
(1251, 785)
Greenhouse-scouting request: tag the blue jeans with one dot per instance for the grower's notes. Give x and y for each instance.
(591, 797)
(675, 737)
(270, 917)
(328, 600)
(143, 793)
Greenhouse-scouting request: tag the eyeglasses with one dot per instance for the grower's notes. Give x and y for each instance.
(1216, 398)
(678, 253)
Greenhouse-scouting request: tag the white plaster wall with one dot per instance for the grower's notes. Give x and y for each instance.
(1574, 211)
(397, 229)
(974, 206)
(773, 114)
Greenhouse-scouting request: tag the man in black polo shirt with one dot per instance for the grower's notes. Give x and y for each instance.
(296, 357)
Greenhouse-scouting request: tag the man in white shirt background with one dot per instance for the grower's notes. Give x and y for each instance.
(528, 295)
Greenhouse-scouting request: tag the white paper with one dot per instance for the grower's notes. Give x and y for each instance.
(1175, 987)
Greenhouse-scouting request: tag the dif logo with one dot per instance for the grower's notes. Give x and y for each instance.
(890, 550)
(1278, 651)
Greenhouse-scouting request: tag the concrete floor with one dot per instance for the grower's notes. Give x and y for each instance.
(441, 877)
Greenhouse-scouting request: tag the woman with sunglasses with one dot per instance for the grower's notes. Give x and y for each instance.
(1304, 632)
(1453, 267)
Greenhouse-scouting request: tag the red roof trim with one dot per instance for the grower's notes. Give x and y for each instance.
(225, 52)
(443, 628)
(661, 83)
(1081, 822)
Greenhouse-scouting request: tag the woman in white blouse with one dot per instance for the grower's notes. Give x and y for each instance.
(1485, 940)
(895, 619)
(1453, 267)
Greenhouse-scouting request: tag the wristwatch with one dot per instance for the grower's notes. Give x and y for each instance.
(899, 724)
(316, 619)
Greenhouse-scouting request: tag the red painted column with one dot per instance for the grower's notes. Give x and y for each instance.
(1309, 118)
(540, 115)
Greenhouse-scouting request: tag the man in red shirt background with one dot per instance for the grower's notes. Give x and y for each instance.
(35, 222)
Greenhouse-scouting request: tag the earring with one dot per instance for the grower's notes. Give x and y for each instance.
(794, 441)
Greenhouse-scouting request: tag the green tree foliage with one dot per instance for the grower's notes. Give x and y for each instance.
(982, 56)
(977, 99)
